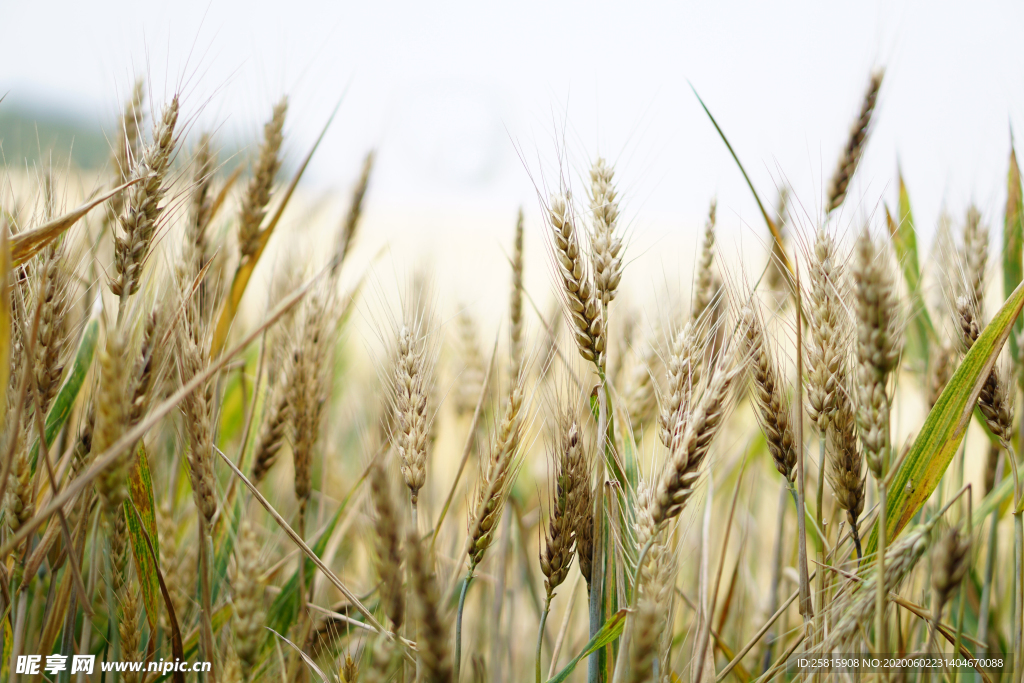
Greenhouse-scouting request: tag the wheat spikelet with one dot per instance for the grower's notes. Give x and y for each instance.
(878, 347)
(471, 378)
(605, 244)
(996, 398)
(683, 370)
(272, 433)
(708, 285)
(777, 277)
(975, 257)
(257, 194)
(640, 395)
(51, 279)
(309, 386)
(19, 501)
(854, 146)
(433, 650)
(856, 606)
(498, 473)
(773, 412)
(568, 464)
(583, 307)
(692, 442)
(147, 367)
(845, 463)
(198, 407)
(515, 306)
(247, 597)
(941, 368)
(347, 231)
(128, 629)
(410, 386)
(826, 371)
(142, 208)
(388, 524)
(950, 558)
(170, 564)
(654, 584)
(127, 146)
(111, 412)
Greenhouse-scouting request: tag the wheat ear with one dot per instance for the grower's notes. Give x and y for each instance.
(582, 304)
(606, 246)
(257, 194)
(770, 401)
(854, 145)
(142, 208)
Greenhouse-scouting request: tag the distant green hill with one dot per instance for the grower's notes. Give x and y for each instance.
(26, 131)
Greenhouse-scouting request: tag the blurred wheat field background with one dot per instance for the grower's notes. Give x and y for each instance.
(307, 433)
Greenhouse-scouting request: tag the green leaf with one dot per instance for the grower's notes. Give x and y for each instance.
(5, 314)
(65, 400)
(225, 548)
(140, 485)
(611, 630)
(997, 499)
(945, 426)
(904, 239)
(1013, 239)
(285, 607)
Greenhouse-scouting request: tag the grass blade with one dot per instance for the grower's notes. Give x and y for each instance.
(611, 630)
(945, 426)
(140, 485)
(27, 244)
(65, 401)
(5, 315)
(245, 269)
(1013, 239)
(904, 239)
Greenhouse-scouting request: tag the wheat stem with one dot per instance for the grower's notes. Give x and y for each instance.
(458, 624)
(540, 636)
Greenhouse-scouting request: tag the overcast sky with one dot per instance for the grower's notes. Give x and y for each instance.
(471, 103)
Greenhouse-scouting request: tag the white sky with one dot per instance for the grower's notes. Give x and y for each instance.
(448, 90)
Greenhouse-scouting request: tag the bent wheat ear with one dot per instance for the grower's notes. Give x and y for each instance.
(498, 475)
(855, 145)
(570, 478)
(257, 195)
(142, 207)
(689, 451)
(583, 307)
(773, 411)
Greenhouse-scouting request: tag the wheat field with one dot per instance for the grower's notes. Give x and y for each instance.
(239, 445)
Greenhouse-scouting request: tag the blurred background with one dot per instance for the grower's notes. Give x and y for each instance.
(475, 107)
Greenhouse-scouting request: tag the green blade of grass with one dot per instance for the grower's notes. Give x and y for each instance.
(757, 198)
(904, 239)
(945, 426)
(140, 486)
(285, 607)
(65, 400)
(246, 268)
(1013, 239)
(5, 315)
(27, 244)
(611, 630)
